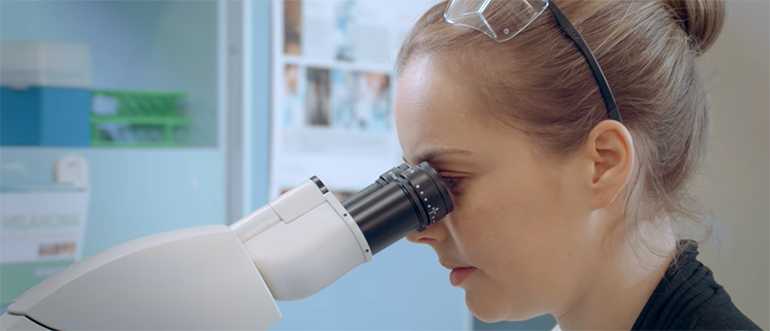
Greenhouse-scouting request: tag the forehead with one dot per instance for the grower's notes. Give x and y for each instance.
(433, 109)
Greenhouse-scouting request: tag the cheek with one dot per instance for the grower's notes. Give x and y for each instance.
(513, 212)
(514, 226)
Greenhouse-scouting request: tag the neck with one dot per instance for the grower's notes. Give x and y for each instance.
(628, 274)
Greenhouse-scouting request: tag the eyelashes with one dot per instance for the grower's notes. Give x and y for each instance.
(451, 182)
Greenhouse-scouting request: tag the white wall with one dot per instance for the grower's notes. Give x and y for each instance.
(736, 178)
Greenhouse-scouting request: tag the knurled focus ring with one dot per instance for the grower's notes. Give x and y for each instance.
(415, 200)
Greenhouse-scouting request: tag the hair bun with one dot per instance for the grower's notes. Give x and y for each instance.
(701, 19)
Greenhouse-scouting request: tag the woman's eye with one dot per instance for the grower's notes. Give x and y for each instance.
(450, 182)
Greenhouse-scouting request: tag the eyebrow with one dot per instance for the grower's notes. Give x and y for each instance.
(434, 153)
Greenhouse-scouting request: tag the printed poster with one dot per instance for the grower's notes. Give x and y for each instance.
(333, 86)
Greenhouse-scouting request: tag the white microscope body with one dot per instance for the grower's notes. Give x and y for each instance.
(228, 277)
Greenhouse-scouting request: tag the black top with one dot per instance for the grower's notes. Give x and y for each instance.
(688, 298)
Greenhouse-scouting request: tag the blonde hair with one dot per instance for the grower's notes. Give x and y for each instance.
(539, 83)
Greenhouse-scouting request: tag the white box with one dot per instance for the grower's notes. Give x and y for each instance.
(51, 64)
(41, 233)
(42, 226)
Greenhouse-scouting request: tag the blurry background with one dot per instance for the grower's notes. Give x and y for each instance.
(130, 90)
(119, 119)
(735, 179)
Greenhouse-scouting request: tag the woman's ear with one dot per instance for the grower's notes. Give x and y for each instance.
(610, 150)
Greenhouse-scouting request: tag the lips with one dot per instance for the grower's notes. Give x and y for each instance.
(458, 275)
(459, 271)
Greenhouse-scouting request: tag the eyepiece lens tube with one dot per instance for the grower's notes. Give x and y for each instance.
(404, 199)
(384, 179)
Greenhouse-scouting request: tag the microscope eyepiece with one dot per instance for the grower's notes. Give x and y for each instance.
(403, 199)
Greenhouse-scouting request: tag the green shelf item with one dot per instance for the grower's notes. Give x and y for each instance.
(132, 110)
(142, 103)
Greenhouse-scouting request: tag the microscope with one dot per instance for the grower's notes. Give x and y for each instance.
(222, 277)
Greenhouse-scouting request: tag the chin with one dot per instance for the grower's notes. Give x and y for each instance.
(491, 309)
(484, 308)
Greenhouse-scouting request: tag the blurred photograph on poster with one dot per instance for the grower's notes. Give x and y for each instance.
(292, 26)
(317, 97)
(342, 100)
(293, 113)
(343, 24)
(348, 30)
(361, 101)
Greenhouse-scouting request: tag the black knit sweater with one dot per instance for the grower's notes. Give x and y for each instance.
(688, 298)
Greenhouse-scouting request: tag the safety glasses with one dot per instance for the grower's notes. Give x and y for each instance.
(504, 19)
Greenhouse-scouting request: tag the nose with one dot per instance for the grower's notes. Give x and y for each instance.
(433, 234)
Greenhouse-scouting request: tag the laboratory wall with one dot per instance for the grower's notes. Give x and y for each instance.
(736, 178)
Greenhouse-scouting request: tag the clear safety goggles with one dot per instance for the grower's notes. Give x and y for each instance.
(504, 19)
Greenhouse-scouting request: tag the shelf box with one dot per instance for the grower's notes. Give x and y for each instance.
(42, 63)
(32, 253)
(45, 116)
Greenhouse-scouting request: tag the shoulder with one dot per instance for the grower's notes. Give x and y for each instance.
(689, 298)
(724, 317)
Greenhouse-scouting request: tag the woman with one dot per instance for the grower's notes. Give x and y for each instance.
(567, 166)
